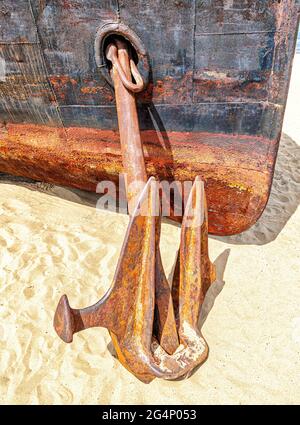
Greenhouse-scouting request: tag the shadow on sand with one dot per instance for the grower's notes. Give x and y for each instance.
(283, 201)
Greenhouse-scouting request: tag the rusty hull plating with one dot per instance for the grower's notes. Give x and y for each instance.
(217, 116)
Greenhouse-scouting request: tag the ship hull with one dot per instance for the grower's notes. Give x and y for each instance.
(218, 82)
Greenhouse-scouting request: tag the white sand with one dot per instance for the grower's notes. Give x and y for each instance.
(50, 246)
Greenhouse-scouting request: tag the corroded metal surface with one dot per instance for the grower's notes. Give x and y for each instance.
(237, 170)
(134, 166)
(127, 310)
(151, 337)
(219, 73)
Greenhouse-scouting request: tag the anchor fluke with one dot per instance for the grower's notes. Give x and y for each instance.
(153, 324)
(64, 320)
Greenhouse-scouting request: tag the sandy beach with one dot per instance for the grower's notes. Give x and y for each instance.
(53, 241)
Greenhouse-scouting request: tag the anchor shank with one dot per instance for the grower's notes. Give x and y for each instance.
(150, 338)
(131, 144)
(136, 176)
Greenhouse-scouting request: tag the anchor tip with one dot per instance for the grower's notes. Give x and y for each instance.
(63, 320)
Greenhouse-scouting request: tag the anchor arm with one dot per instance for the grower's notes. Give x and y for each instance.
(127, 309)
(154, 329)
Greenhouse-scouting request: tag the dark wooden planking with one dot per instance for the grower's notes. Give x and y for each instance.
(70, 58)
(235, 16)
(182, 72)
(284, 47)
(167, 30)
(25, 93)
(235, 52)
(104, 117)
(234, 118)
(67, 31)
(16, 22)
(270, 23)
(238, 68)
(231, 118)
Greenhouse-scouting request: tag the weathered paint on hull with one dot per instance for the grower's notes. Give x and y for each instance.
(237, 179)
(214, 106)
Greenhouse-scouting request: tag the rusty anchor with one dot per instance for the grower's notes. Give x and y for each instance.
(153, 325)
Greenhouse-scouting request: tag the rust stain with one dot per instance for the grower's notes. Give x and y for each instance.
(237, 170)
(169, 90)
(213, 87)
(66, 88)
